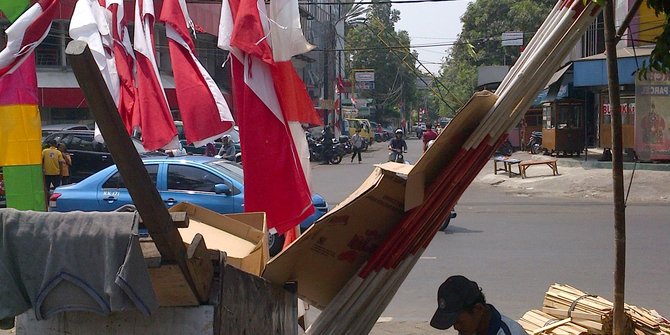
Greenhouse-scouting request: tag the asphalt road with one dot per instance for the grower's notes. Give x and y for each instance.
(516, 247)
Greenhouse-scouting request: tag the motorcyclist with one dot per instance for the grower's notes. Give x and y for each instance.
(397, 145)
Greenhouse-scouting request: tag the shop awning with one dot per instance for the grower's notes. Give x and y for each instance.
(558, 75)
(592, 71)
(60, 89)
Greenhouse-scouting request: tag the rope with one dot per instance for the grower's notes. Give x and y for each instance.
(574, 303)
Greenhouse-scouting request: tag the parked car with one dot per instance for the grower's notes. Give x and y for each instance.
(54, 128)
(204, 181)
(88, 155)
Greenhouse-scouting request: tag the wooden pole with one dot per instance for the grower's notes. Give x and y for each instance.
(145, 196)
(617, 170)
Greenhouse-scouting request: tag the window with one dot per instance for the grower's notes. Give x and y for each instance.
(189, 178)
(116, 181)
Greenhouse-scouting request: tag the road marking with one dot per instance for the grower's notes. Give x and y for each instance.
(383, 319)
(428, 258)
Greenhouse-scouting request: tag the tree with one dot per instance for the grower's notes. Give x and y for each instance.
(480, 43)
(374, 44)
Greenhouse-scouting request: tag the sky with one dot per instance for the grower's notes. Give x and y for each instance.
(432, 23)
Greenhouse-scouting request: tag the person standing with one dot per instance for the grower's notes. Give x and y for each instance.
(462, 305)
(65, 167)
(428, 135)
(356, 145)
(326, 144)
(52, 159)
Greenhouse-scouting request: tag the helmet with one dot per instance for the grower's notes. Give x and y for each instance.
(399, 131)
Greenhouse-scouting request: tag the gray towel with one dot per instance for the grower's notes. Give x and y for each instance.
(76, 261)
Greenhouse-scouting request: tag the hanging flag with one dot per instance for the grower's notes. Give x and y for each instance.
(13, 8)
(26, 33)
(125, 65)
(259, 112)
(156, 123)
(202, 106)
(20, 125)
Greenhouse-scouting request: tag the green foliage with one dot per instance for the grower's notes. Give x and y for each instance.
(376, 45)
(480, 44)
(659, 60)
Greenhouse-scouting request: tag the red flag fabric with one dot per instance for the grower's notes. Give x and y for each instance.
(156, 123)
(125, 65)
(26, 33)
(275, 185)
(295, 102)
(202, 106)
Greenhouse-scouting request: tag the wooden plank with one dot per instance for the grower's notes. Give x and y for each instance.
(252, 305)
(145, 196)
(151, 255)
(200, 265)
(171, 287)
(180, 219)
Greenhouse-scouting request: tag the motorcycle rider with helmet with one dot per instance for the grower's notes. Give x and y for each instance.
(397, 145)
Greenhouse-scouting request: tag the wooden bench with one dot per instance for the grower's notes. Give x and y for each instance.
(507, 164)
(524, 165)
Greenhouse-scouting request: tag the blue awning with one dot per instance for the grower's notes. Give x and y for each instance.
(592, 71)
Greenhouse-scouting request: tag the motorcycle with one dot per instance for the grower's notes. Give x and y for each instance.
(396, 155)
(535, 142)
(318, 151)
(446, 222)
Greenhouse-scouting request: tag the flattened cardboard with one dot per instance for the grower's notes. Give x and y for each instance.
(330, 253)
(245, 226)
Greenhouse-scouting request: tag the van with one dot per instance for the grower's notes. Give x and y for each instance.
(367, 132)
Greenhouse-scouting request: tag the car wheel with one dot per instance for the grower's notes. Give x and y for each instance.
(275, 243)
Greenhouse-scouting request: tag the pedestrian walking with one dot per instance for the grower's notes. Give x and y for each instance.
(52, 159)
(462, 305)
(356, 145)
(67, 164)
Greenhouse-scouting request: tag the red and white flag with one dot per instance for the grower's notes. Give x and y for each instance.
(202, 106)
(125, 65)
(89, 24)
(264, 127)
(26, 33)
(296, 104)
(156, 123)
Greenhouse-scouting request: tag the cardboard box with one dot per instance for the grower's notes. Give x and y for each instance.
(242, 236)
(330, 253)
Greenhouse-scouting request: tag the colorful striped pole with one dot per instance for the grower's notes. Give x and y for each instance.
(20, 139)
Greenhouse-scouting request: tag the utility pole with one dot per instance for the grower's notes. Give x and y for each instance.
(617, 170)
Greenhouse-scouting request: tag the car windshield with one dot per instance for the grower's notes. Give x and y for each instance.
(230, 169)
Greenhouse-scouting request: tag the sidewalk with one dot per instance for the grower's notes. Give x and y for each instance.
(582, 177)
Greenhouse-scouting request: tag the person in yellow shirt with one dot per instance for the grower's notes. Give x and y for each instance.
(52, 159)
(65, 167)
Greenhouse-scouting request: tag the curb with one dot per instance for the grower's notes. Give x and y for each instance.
(594, 164)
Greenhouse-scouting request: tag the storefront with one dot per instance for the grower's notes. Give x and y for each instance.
(590, 73)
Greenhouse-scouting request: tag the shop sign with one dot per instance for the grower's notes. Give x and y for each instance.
(652, 122)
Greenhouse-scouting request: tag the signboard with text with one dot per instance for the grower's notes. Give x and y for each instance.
(652, 121)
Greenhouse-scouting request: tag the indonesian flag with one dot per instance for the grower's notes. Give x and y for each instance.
(89, 24)
(203, 108)
(156, 123)
(259, 110)
(26, 33)
(125, 65)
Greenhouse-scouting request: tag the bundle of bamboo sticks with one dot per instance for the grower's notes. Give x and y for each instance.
(569, 311)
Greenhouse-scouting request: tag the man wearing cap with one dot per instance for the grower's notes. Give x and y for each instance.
(462, 304)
